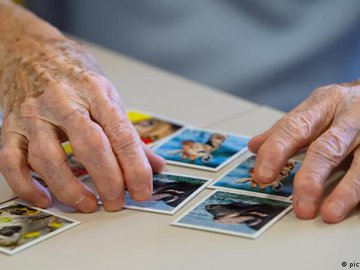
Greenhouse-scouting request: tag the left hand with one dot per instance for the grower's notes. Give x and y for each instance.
(328, 123)
(52, 90)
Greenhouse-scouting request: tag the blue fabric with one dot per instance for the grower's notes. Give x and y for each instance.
(273, 52)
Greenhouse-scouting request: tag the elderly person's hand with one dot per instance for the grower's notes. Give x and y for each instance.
(328, 123)
(52, 90)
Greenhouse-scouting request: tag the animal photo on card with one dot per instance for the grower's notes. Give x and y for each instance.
(241, 178)
(22, 226)
(150, 128)
(234, 213)
(201, 148)
(170, 192)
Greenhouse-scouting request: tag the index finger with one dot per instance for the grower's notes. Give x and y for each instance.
(296, 131)
(285, 141)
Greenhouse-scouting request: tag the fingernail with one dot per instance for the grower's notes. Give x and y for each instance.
(141, 193)
(113, 205)
(141, 196)
(265, 171)
(87, 204)
(112, 200)
(336, 208)
(307, 205)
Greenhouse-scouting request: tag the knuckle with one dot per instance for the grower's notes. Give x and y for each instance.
(46, 157)
(75, 115)
(64, 191)
(4, 157)
(349, 125)
(274, 146)
(328, 148)
(332, 92)
(312, 184)
(352, 188)
(92, 79)
(98, 142)
(10, 162)
(39, 150)
(68, 192)
(62, 187)
(295, 130)
(324, 90)
(113, 110)
(320, 91)
(102, 87)
(7, 159)
(299, 126)
(335, 142)
(23, 191)
(92, 137)
(124, 137)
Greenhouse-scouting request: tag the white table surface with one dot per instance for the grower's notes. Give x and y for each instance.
(132, 239)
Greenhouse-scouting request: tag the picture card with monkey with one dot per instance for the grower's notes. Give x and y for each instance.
(152, 127)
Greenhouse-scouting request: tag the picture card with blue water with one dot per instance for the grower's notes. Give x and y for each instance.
(240, 178)
(170, 193)
(202, 149)
(234, 214)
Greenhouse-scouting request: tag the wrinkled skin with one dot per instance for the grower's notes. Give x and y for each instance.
(328, 123)
(52, 90)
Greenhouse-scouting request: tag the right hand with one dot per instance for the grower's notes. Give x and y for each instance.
(327, 123)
